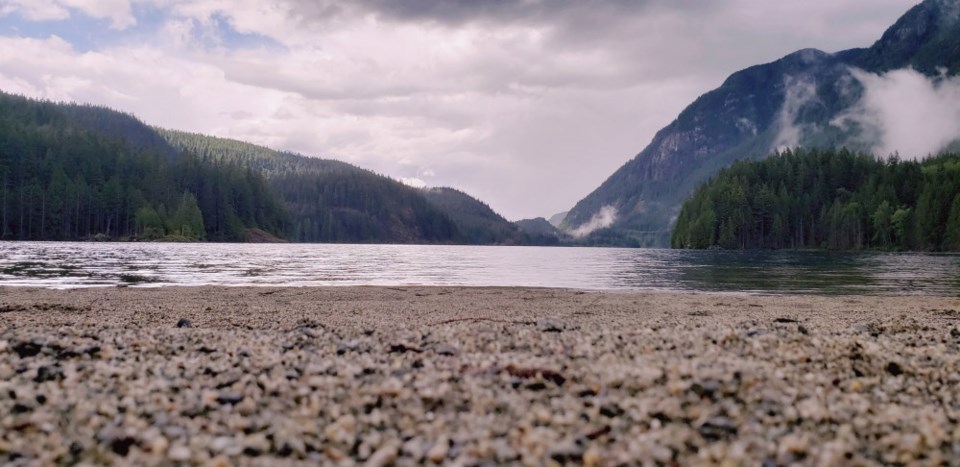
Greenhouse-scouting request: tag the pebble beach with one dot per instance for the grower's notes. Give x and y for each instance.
(475, 376)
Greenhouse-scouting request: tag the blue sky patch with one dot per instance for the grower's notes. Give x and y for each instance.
(86, 33)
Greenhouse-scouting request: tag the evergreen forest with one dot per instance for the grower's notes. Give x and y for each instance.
(65, 174)
(833, 199)
(75, 172)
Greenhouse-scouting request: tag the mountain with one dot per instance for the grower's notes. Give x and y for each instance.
(794, 101)
(556, 220)
(70, 172)
(477, 222)
(74, 172)
(331, 201)
(541, 231)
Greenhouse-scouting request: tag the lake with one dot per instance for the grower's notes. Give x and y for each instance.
(69, 265)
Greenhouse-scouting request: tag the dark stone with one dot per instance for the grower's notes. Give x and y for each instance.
(707, 390)
(251, 451)
(605, 430)
(403, 348)
(718, 428)
(285, 450)
(894, 369)
(231, 398)
(525, 373)
(20, 408)
(785, 320)
(803, 330)
(955, 333)
(121, 446)
(27, 349)
(67, 354)
(446, 350)
(536, 386)
(48, 373)
(184, 323)
(662, 417)
(570, 453)
(41, 399)
(549, 326)
(417, 364)
(587, 393)
(611, 410)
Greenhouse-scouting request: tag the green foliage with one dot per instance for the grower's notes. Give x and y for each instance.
(71, 172)
(477, 223)
(187, 220)
(952, 237)
(331, 201)
(826, 199)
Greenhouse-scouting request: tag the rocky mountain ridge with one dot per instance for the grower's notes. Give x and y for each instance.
(799, 100)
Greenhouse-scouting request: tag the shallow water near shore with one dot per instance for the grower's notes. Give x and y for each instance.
(70, 265)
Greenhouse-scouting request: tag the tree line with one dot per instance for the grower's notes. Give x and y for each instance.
(834, 199)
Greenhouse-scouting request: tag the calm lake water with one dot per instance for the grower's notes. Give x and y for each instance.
(66, 265)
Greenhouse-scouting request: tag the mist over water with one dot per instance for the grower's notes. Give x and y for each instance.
(70, 265)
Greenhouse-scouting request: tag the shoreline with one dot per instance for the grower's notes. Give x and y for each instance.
(414, 375)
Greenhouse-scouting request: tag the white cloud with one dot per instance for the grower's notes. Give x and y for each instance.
(117, 11)
(413, 181)
(800, 92)
(906, 112)
(34, 10)
(601, 220)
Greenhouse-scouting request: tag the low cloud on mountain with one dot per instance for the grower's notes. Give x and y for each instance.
(905, 112)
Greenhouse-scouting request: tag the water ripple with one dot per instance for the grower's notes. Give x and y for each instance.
(71, 265)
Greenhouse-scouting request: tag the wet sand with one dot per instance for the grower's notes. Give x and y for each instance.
(474, 376)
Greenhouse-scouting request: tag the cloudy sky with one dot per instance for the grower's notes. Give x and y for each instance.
(527, 104)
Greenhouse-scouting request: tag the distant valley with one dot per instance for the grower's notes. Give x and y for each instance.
(72, 172)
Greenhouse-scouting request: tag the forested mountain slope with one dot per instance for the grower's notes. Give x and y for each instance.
(478, 224)
(827, 199)
(332, 201)
(71, 172)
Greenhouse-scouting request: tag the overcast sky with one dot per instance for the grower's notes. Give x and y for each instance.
(526, 104)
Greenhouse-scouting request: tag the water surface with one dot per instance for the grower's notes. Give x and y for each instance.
(67, 265)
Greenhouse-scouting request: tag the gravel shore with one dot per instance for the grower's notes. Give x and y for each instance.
(475, 376)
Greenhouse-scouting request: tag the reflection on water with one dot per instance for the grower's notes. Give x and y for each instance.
(64, 265)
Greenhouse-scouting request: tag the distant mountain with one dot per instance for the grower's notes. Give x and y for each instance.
(541, 231)
(331, 201)
(73, 172)
(556, 220)
(791, 102)
(477, 222)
